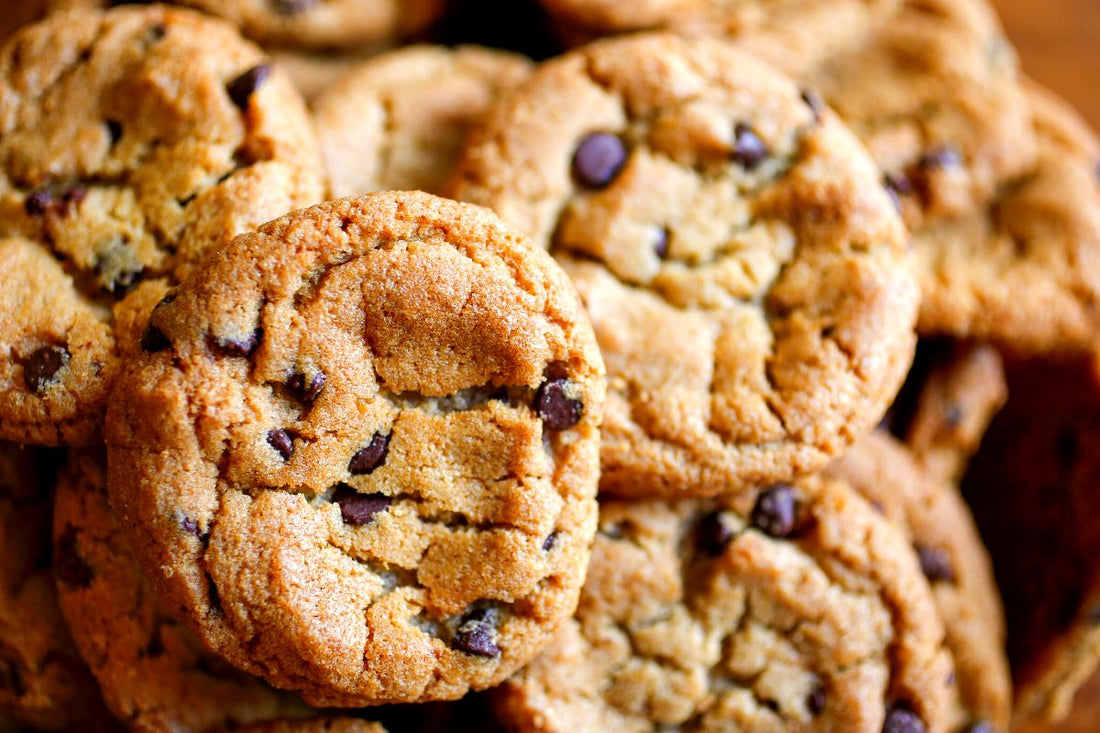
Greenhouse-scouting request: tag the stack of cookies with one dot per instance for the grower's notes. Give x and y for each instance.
(734, 367)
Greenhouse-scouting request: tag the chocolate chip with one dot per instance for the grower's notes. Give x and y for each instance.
(359, 509)
(814, 101)
(43, 365)
(944, 156)
(54, 200)
(713, 535)
(241, 348)
(191, 526)
(154, 340)
(660, 247)
(282, 440)
(550, 542)
(815, 701)
(598, 159)
(114, 130)
(475, 635)
(774, 512)
(898, 184)
(935, 563)
(748, 149)
(244, 86)
(155, 647)
(155, 33)
(902, 720)
(292, 7)
(306, 391)
(371, 457)
(558, 411)
(69, 567)
(952, 415)
(120, 282)
(979, 727)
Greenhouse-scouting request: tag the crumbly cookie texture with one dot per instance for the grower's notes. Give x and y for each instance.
(795, 607)
(935, 97)
(932, 515)
(361, 451)
(153, 673)
(1032, 486)
(398, 122)
(43, 681)
(132, 142)
(747, 275)
(1025, 271)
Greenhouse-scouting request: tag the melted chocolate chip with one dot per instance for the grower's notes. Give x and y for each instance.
(902, 720)
(69, 567)
(550, 542)
(371, 457)
(114, 130)
(475, 635)
(815, 701)
(191, 526)
(282, 441)
(241, 348)
(935, 563)
(359, 509)
(42, 366)
(54, 200)
(660, 247)
(558, 411)
(306, 390)
(748, 149)
(814, 101)
(154, 340)
(244, 86)
(713, 535)
(774, 512)
(944, 156)
(598, 159)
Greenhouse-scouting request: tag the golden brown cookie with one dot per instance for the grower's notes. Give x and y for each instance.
(746, 273)
(398, 122)
(361, 451)
(132, 142)
(790, 608)
(932, 515)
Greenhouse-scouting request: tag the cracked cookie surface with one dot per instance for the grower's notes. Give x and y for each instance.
(132, 141)
(794, 607)
(398, 122)
(932, 515)
(745, 271)
(362, 451)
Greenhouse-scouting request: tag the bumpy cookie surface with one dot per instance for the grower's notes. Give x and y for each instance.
(935, 97)
(930, 512)
(790, 608)
(398, 122)
(1025, 270)
(132, 142)
(43, 681)
(1033, 487)
(745, 271)
(362, 451)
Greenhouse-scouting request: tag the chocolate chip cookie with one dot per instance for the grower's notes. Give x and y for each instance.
(398, 122)
(746, 273)
(326, 725)
(133, 141)
(43, 681)
(1024, 272)
(794, 607)
(361, 451)
(1033, 487)
(932, 514)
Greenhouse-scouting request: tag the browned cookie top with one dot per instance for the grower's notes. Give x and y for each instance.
(361, 451)
(933, 516)
(132, 141)
(746, 273)
(43, 681)
(792, 608)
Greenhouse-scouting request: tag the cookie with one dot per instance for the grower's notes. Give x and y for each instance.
(933, 516)
(794, 607)
(935, 97)
(398, 122)
(1032, 486)
(314, 72)
(361, 452)
(43, 681)
(1025, 271)
(133, 141)
(327, 725)
(747, 275)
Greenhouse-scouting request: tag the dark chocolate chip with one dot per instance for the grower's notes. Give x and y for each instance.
(558, 411)
(54, 200)
(748, 149)
(153, 339)
(475, 635)
(114, 130)
(155, 32)
(244, 86)
(241, 348)
(359, 509)
(306, 390)
(902, 720)
(191, 526)
(774, 512)
(713, 535)
(371, 457)
(952, 415)
(123, 281)
(550, 542)
(292, 7)
(935, 562)
(660, 247)
(814, 101)
(598, 159)
(282, 440)
(69, 567)
(944, 156)
(979, 727)
(898, 184)
(43, 365)
(815, 701)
